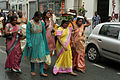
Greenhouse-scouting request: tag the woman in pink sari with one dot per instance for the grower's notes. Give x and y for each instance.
(13, 47)
(78, 44)
(49, 25)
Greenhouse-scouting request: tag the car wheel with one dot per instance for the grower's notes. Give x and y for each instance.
(93, 54)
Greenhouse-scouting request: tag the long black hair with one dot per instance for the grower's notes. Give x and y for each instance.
(44, 15)
(12, 18)
(63, 21)
(78, 20)
(37, 14)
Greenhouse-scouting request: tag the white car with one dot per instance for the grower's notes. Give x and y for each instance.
(104, 41)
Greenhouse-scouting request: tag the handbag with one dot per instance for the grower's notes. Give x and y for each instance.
(48, 59)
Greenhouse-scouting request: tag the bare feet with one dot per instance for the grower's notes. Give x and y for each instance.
(74, 74)
(83, 71)
(33, 73)
(44, 75)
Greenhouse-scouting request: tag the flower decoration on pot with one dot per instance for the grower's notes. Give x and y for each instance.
(67, 17)
(82, 11)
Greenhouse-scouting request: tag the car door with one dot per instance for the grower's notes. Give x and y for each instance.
(110, 44)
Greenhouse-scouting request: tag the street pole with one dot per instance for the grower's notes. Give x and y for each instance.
(38, 5)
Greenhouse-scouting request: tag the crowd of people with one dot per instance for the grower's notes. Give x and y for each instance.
(35, 39)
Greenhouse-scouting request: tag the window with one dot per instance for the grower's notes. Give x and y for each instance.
(20, 7)
(110, 31)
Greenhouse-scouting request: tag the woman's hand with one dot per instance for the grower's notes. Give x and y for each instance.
(10, 33)
(73, 31)
(65, 48)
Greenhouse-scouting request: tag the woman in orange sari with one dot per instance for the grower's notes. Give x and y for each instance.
(78, 44)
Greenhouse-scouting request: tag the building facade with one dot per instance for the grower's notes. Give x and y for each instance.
(19, 5)
(104, 8)
(28, 7)
(3, 4)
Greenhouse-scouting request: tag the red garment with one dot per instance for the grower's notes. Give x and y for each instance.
(13, 49)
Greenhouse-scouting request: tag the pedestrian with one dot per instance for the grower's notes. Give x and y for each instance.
(3, 15)
(1, 24)
(63, 50)
(49, 25)
(78, 44)
(13, 47)
(22, 21)
(96, 20)
(109, 19)
(36, 47)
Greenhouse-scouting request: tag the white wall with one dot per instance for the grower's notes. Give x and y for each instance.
(69, 4)
(91, 7)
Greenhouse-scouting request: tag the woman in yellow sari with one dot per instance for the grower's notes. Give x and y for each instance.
(78, 44)
(63, 50)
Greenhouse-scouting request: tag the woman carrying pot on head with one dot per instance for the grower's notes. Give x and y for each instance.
(78, 44)
(63, 50)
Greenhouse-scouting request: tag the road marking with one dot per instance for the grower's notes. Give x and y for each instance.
(118, 73)
(99, 66)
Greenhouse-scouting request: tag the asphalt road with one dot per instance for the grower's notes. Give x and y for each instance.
(105, 70)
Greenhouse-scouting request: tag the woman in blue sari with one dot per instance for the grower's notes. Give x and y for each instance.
(36, 47)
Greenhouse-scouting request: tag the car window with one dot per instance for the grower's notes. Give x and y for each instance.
(110, 31)
(103, 30)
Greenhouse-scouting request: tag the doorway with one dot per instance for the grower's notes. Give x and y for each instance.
(103, 9)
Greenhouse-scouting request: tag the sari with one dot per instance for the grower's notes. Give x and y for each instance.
(50, 38)
(64, 61)
(13, 49)
(79, 50)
